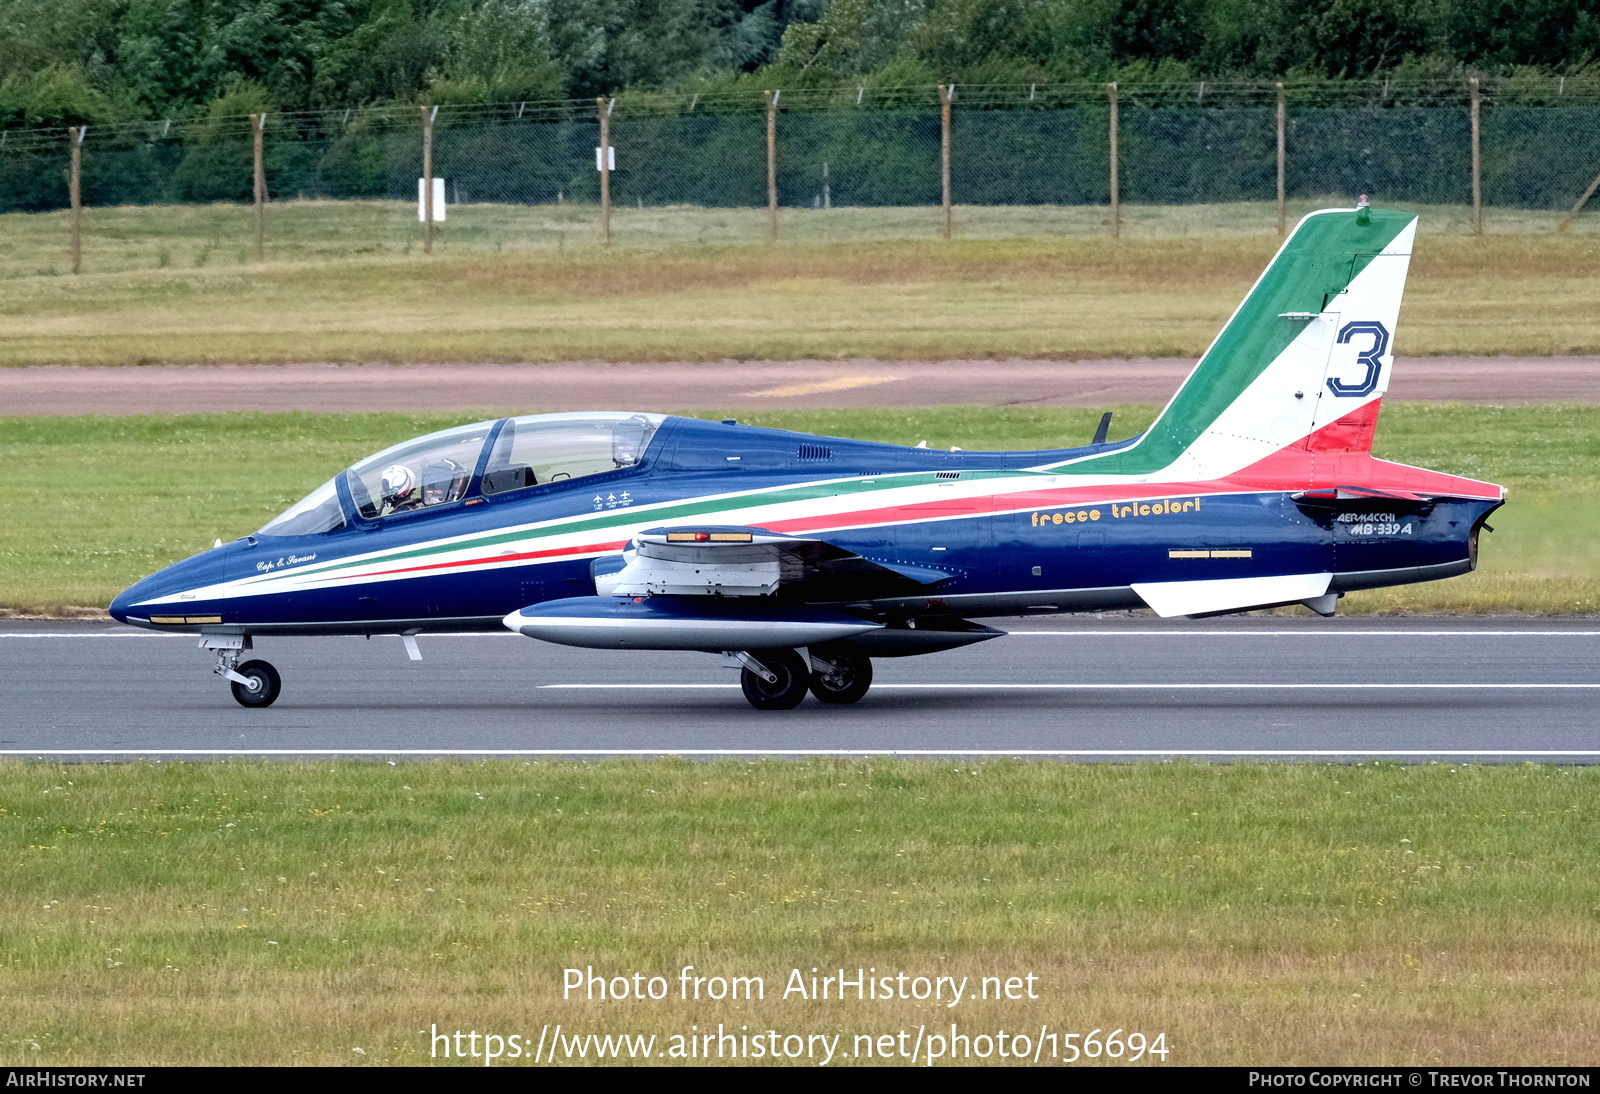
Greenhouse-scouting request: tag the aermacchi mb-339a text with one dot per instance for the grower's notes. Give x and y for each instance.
(799, 559)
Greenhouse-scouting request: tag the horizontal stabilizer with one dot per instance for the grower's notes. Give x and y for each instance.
(682, 623)
(1231, 594)
(1359, 493)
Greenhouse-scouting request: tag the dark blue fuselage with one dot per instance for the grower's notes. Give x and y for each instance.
(1009, 538)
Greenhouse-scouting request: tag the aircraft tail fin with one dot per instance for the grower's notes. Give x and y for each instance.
(1302, 364)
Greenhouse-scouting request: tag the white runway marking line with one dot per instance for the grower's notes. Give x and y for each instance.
(965, 752)
(196, 634)
(1131, 686)
(107, 634)
(1463, 633)
(1108, 633)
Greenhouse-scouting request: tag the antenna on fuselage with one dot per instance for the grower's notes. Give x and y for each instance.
(1102, 429)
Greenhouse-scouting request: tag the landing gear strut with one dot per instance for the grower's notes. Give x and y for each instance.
(254, 683)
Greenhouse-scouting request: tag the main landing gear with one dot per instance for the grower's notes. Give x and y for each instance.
(254, 683)
(779, 679)
(841, 677)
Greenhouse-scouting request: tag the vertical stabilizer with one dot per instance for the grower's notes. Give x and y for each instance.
(1303, 362)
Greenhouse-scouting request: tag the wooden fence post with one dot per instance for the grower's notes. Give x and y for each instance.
(1283, 213)
(1116, 197)
(1579, 204)
(1477, 163)
(428, 114)
(604, 110)
(772, 164)
(75, 136)
(947, 92)
(258, 122)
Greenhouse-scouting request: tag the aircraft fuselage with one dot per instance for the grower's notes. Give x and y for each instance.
(1011, 538)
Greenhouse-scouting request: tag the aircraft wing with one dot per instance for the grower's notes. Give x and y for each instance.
(720, 560)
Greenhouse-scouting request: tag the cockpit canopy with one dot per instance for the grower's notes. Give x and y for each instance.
(418, 474)
(510, 454)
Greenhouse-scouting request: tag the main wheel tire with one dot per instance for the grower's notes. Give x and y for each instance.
(784, 693)
(847, 682)
(268, 684)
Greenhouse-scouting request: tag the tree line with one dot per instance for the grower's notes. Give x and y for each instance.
(67, 62)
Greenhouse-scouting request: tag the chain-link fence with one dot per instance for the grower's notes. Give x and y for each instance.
(1516, 145)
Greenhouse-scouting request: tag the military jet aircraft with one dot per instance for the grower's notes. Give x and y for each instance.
(798, 558)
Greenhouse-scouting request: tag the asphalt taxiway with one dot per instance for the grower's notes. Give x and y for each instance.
(1121, 688)
(725, 385)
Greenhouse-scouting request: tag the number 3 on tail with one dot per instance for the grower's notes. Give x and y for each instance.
(1372, 358)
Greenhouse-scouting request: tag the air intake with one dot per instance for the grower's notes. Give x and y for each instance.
(815, 452)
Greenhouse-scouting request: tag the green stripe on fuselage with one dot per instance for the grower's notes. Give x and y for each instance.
(1318, 262)
(617, 518)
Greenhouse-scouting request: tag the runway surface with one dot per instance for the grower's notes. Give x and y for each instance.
(728, 385)
(1121, 688)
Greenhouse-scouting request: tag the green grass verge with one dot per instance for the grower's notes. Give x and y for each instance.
(95, 503)
(253, 913)
(343, 282)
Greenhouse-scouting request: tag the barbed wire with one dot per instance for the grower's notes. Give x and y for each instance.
(1297, 94)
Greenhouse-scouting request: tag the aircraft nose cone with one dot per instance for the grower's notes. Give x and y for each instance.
(149, 588)
(150, 593)
(119, 604)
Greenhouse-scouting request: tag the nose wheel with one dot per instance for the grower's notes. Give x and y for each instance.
(254, 683)
(259, 686)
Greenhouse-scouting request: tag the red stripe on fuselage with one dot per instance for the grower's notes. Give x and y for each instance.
(522, 556)
(1335, 455)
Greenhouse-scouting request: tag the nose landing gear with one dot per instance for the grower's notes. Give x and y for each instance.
(253, 683)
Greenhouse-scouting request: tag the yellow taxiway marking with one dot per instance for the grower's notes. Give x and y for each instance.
(841, 383)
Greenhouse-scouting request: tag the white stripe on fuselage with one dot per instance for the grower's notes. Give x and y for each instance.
(547, 536)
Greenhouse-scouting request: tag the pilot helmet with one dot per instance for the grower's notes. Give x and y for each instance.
(399, 486)
(443, 480)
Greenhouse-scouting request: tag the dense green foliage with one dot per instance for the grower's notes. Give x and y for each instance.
(100, 60)
(998, 41)
(104, 60)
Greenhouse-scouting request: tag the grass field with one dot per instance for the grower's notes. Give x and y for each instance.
(348, 282)
(253, 913)
(127, 238)
(95, 503)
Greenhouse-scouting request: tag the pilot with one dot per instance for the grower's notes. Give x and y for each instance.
(399, 489)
